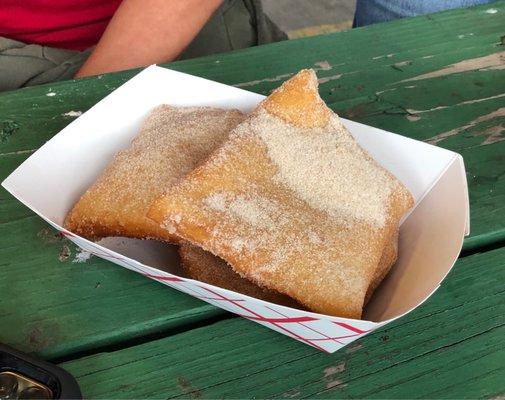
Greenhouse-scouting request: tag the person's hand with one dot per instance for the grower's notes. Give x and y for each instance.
(144, 32)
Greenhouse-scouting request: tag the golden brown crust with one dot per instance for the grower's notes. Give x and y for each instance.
(205, 267)
(170, 144)
(388, 259)
(248, 204)
(297, 102)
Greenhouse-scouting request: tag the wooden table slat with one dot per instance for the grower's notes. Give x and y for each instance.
(54, 306)
(453, 347)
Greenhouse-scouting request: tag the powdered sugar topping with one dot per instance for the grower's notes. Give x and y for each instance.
(326, 168)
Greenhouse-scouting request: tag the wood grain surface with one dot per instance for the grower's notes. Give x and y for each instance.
(451, 347)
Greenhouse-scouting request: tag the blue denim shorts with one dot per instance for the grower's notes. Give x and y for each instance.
(372, 11)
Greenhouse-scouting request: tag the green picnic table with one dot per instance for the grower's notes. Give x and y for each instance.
(437, 78)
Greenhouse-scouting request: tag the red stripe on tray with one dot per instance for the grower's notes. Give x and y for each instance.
(282, 320)
(277, 322)
(165, 278)
(350, 327)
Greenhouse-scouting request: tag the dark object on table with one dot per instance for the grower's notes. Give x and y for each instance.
(25, 377)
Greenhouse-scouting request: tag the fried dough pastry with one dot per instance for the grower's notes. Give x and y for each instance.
(204, 266)
(292, 203)
(171, 142)
(388, 259)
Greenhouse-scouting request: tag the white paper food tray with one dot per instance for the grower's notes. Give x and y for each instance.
(431, 237)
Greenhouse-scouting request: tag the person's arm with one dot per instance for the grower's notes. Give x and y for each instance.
(144, 32)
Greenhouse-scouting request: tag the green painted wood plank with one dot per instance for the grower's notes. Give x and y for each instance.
(363, 71)
(451, 347)
(54, 306)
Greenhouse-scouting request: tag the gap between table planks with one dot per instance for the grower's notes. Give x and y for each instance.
(78, 307)
(452, 347)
